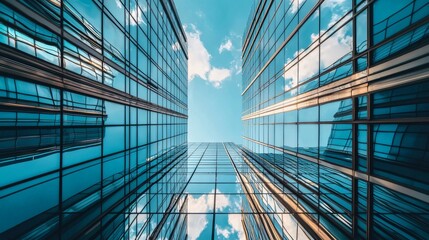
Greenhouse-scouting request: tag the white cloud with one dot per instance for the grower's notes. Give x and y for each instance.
(235, 221)
(198, 222)
(137, 14)
(118, 4)
(199, 57)
(295, 5)
(175, 46)
(196, 225)
(225, 46)
(222, 231)
(234, 226)
(199, 60)
(333, 3)
(334, 48)
(217, 75)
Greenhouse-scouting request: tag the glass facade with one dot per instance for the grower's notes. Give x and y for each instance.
(93, 115)
(93, 124)
(335, 114)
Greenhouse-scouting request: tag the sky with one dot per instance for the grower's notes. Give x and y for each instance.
(214, 30)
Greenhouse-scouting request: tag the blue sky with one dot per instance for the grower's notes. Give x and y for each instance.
(214, 29)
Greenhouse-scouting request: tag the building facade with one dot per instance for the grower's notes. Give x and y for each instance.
(93, 113)
(335, 114)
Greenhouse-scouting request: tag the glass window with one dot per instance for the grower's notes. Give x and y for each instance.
(308, 136)
(362, 147)
(81, 180)
(113, 140)
(401, 154)
(83, 20)
(309, 65)
(391, 16)
(361, 32)
(290, 116)
(26, 36)
(336, 200)
(410, 38)
(336, 144)
(309, 32)
(81, 62)
(113, 165)
(361, 63)
(290, 137)
(331, 11)
(402, 102)
(44, 196)
(115, 113)
(336, 111)
(396, 215)
(114, 41)
(308, 86)
(337, 48)
(336, 74)
(86, 10)
(362, 112)
(116, 7)
(114, 78)
(305, 7)
(310, 114)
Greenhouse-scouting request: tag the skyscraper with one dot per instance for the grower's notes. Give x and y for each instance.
(335, 112)
(93, 113)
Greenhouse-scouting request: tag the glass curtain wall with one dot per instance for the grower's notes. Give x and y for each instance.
(93, 112)
(335, 114)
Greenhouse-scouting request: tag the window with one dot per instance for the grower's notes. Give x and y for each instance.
(401, 154)
(336, 111)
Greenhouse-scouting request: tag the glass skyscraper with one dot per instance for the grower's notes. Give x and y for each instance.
(94, 109)
(93, 114)
(335, 111)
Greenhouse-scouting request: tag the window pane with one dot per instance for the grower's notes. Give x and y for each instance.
(401, 154)
(336, 144)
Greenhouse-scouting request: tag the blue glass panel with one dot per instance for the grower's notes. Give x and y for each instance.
(114, 41)
(37, 200)
(362, 208)
(115, 113)
(401, 154)
(336, 144)
(336, 111)
(310, 114)
(361, 63)
(114, 78)
(113, 142)
(362, 147)
(81, 62)
(361, 32)
(83, 20)
(338, 73)
(79, 183)
(403, 41)
(308, 139)
(337, 48)
(402, 102)
(391, 16)
(396, 215)
(21, 33)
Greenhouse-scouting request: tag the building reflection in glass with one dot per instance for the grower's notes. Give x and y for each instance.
(93, 120)
(335, 117)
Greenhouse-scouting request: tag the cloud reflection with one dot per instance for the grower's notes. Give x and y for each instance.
(201, 205)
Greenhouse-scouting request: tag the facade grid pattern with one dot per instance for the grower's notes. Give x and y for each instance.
(93, 114)
(335, 114)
